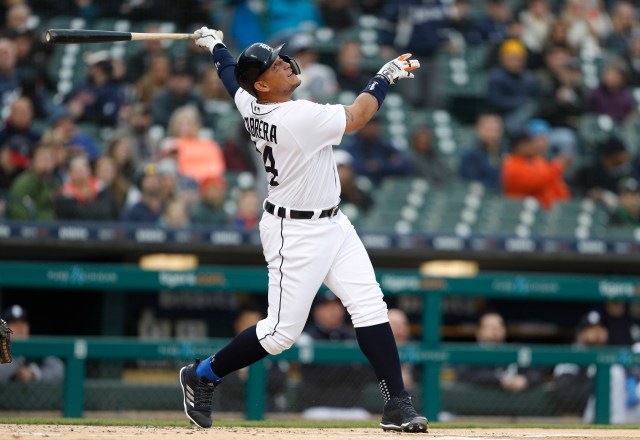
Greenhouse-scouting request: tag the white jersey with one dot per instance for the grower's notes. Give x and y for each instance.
(295, 140)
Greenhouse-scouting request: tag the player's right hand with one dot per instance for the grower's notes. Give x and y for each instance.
(398, 68)
(209, 38)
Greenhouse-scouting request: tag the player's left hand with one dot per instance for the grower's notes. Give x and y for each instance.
(209, 38)
(399, 68)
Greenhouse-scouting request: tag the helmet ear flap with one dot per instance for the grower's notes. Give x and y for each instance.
(292, 62)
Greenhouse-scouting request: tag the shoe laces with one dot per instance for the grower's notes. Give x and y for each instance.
(204, 393)
(406, 407)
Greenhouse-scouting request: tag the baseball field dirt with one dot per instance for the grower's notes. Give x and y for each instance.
(80, 432)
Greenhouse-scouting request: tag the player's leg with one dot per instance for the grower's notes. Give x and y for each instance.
(352, 279)
(298, 255)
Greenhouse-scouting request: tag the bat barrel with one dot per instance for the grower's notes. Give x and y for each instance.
(84, 36)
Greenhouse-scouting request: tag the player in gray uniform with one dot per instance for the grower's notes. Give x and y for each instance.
(306, 239)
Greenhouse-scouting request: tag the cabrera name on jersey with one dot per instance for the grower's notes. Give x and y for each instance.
(295, 140)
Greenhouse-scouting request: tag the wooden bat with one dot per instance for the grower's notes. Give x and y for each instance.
(79, 36)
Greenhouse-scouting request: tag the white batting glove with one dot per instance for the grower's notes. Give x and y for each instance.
(209, 38)
(399, 68)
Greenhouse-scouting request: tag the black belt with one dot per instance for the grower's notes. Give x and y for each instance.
(298, 215)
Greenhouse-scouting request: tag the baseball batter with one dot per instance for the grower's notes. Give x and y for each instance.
(306, 239)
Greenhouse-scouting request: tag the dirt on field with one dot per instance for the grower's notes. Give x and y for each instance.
(32, 432)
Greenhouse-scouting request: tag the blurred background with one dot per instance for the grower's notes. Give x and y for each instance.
(514, 149)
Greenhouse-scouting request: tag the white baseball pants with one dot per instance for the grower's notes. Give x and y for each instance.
(303, 254)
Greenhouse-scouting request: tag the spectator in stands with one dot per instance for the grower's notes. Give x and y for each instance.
(17, 16)
(180, 92)
(17, 136)
(240, 152)
(374, 156)
(151, 206)
(527, 173)
(512, 89)
(492, 28)
(623, 329)
(623, 20)
(624, 208)
(233, 394)
(83, 196)
(175, 215)
(137, 127)
(98, 99)
(574, 383)
(607, 174)
(559, 35)
(154, 80)
(211, 88)
(106, 171)
(32, 193)
(330, 385)
(349, 71)
(420, 28)
(9, 168)
(482, 161)
(248, 210)
(402, 334)
(120, 149)
(174, 184)
(462, 26)
(338, 15)
(32, 65)
(49, 369)
(426, 161)
(140, 61)
(537, 19)
(549, 144)
(67, 133)
(9, 77)
(286, 17)
(350, 192)
(632, 58)
(318, 80)
(562, 98)
(209, 209)
(588, 24)
(612, 96)
(198, 157)
(513, 378)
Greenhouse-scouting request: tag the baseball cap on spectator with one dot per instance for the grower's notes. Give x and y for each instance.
(167, 167)
(537, 127)
(589, 319)
(208, 181)
(15, 313)
(324, 297)
(150, 169)
(300, 43)
(59, 114)
(512, 47)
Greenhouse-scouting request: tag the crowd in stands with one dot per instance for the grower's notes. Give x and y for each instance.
(151, 146)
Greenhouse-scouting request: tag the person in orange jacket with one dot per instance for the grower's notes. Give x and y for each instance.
(527, 173)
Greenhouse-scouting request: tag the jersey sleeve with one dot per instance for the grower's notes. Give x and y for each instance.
(243, 101)
(316, 126)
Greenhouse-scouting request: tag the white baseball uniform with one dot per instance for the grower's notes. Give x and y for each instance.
(295, 140)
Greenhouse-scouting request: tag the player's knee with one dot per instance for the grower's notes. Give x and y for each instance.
(371, 314)
(276, 343)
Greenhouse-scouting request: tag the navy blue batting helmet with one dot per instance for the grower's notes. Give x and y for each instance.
(255, 60)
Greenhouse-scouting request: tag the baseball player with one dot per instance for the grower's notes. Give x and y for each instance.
(306, 239)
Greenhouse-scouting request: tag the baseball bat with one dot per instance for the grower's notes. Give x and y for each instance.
(78, 36)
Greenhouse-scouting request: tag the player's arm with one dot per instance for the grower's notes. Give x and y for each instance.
(370, 99)
(211, 40)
